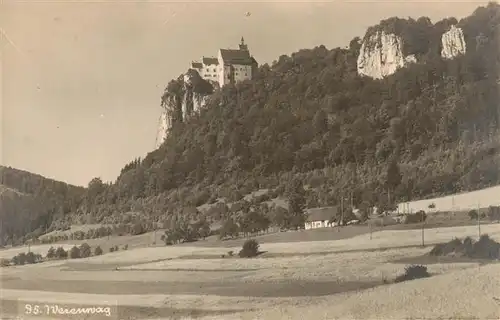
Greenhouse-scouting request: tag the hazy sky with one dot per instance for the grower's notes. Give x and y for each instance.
(81, 82)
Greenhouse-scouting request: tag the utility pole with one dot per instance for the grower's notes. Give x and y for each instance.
(478, 222)
(423, 228)
(341, 210)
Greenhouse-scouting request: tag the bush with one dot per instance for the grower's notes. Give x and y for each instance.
(98, 251)
(20, 259)
(61, 253)
(250, 249)
(137, 229)
(494, 213)
(112, 249)
(51, 254)
(125, 247)
(413, 272)
(74, 253)
(473, 215)
(85, 250)
(418, 217)
(30, 258)
(230, 253)
(484, 248)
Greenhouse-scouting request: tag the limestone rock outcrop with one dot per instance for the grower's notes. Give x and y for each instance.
(182, 99)
(381, 54)
(453, 43)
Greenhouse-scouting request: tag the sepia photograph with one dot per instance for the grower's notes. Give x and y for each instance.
(249, 160)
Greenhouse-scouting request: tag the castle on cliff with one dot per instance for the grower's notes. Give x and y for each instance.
(230, 65)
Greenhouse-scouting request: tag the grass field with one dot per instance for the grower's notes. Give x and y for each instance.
(458, 202)
(341, 277)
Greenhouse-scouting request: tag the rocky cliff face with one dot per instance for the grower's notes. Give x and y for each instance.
(453, 43)
(381, 54)
(182, 99)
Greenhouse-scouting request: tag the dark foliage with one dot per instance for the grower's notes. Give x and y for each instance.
(484, 248)
(494, 213)
(413, 272)
(74, 253)
(85, 250)
(430, 129)
(51, 253)
(61, 253)
(250, 249)
(98, 251)
(419, 216)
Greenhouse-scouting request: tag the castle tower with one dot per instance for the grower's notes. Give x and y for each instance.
(243, 46)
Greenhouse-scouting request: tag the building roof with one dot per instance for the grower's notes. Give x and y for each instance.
(321, 214)
(210, 61)
(196, 65)
(231, 56)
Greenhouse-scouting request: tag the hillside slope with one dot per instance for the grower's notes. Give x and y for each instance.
(29, 203)
(429, 129)
(310, 115)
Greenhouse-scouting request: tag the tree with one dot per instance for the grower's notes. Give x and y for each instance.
(137, 229)
(61, 253)
(85, 250)
(74, 253)
(98, 251)
(250, 249)
(51, 254)
(30, 257)
(393, 179)
(279, 217)
(296, 204)
(473, 215)
(229, 229)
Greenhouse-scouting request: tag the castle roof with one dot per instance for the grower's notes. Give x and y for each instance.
(231, 56)
(210, 61)
(196, 65)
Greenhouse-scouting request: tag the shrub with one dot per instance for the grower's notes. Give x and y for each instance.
(30, 258)
(125, 247)
(112, 249)
(51, 254)
(85, 251)
(98, 251)
(230, 253)
(494, 213)
(74, 253)
(116, 248)
(137, 229)
(413, 272)
(420, 216)
(250, 249)
(20, 259)
(484, 248)
(61, 253)
(473, 215)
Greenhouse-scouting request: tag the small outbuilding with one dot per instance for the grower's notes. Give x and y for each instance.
(321, 217)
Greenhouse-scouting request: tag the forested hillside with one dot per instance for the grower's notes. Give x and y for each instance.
(430, 129)
(29, 203)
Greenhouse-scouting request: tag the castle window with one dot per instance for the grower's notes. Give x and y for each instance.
(215, 70)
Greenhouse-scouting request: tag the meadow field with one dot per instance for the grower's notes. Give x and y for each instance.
(346, 277)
